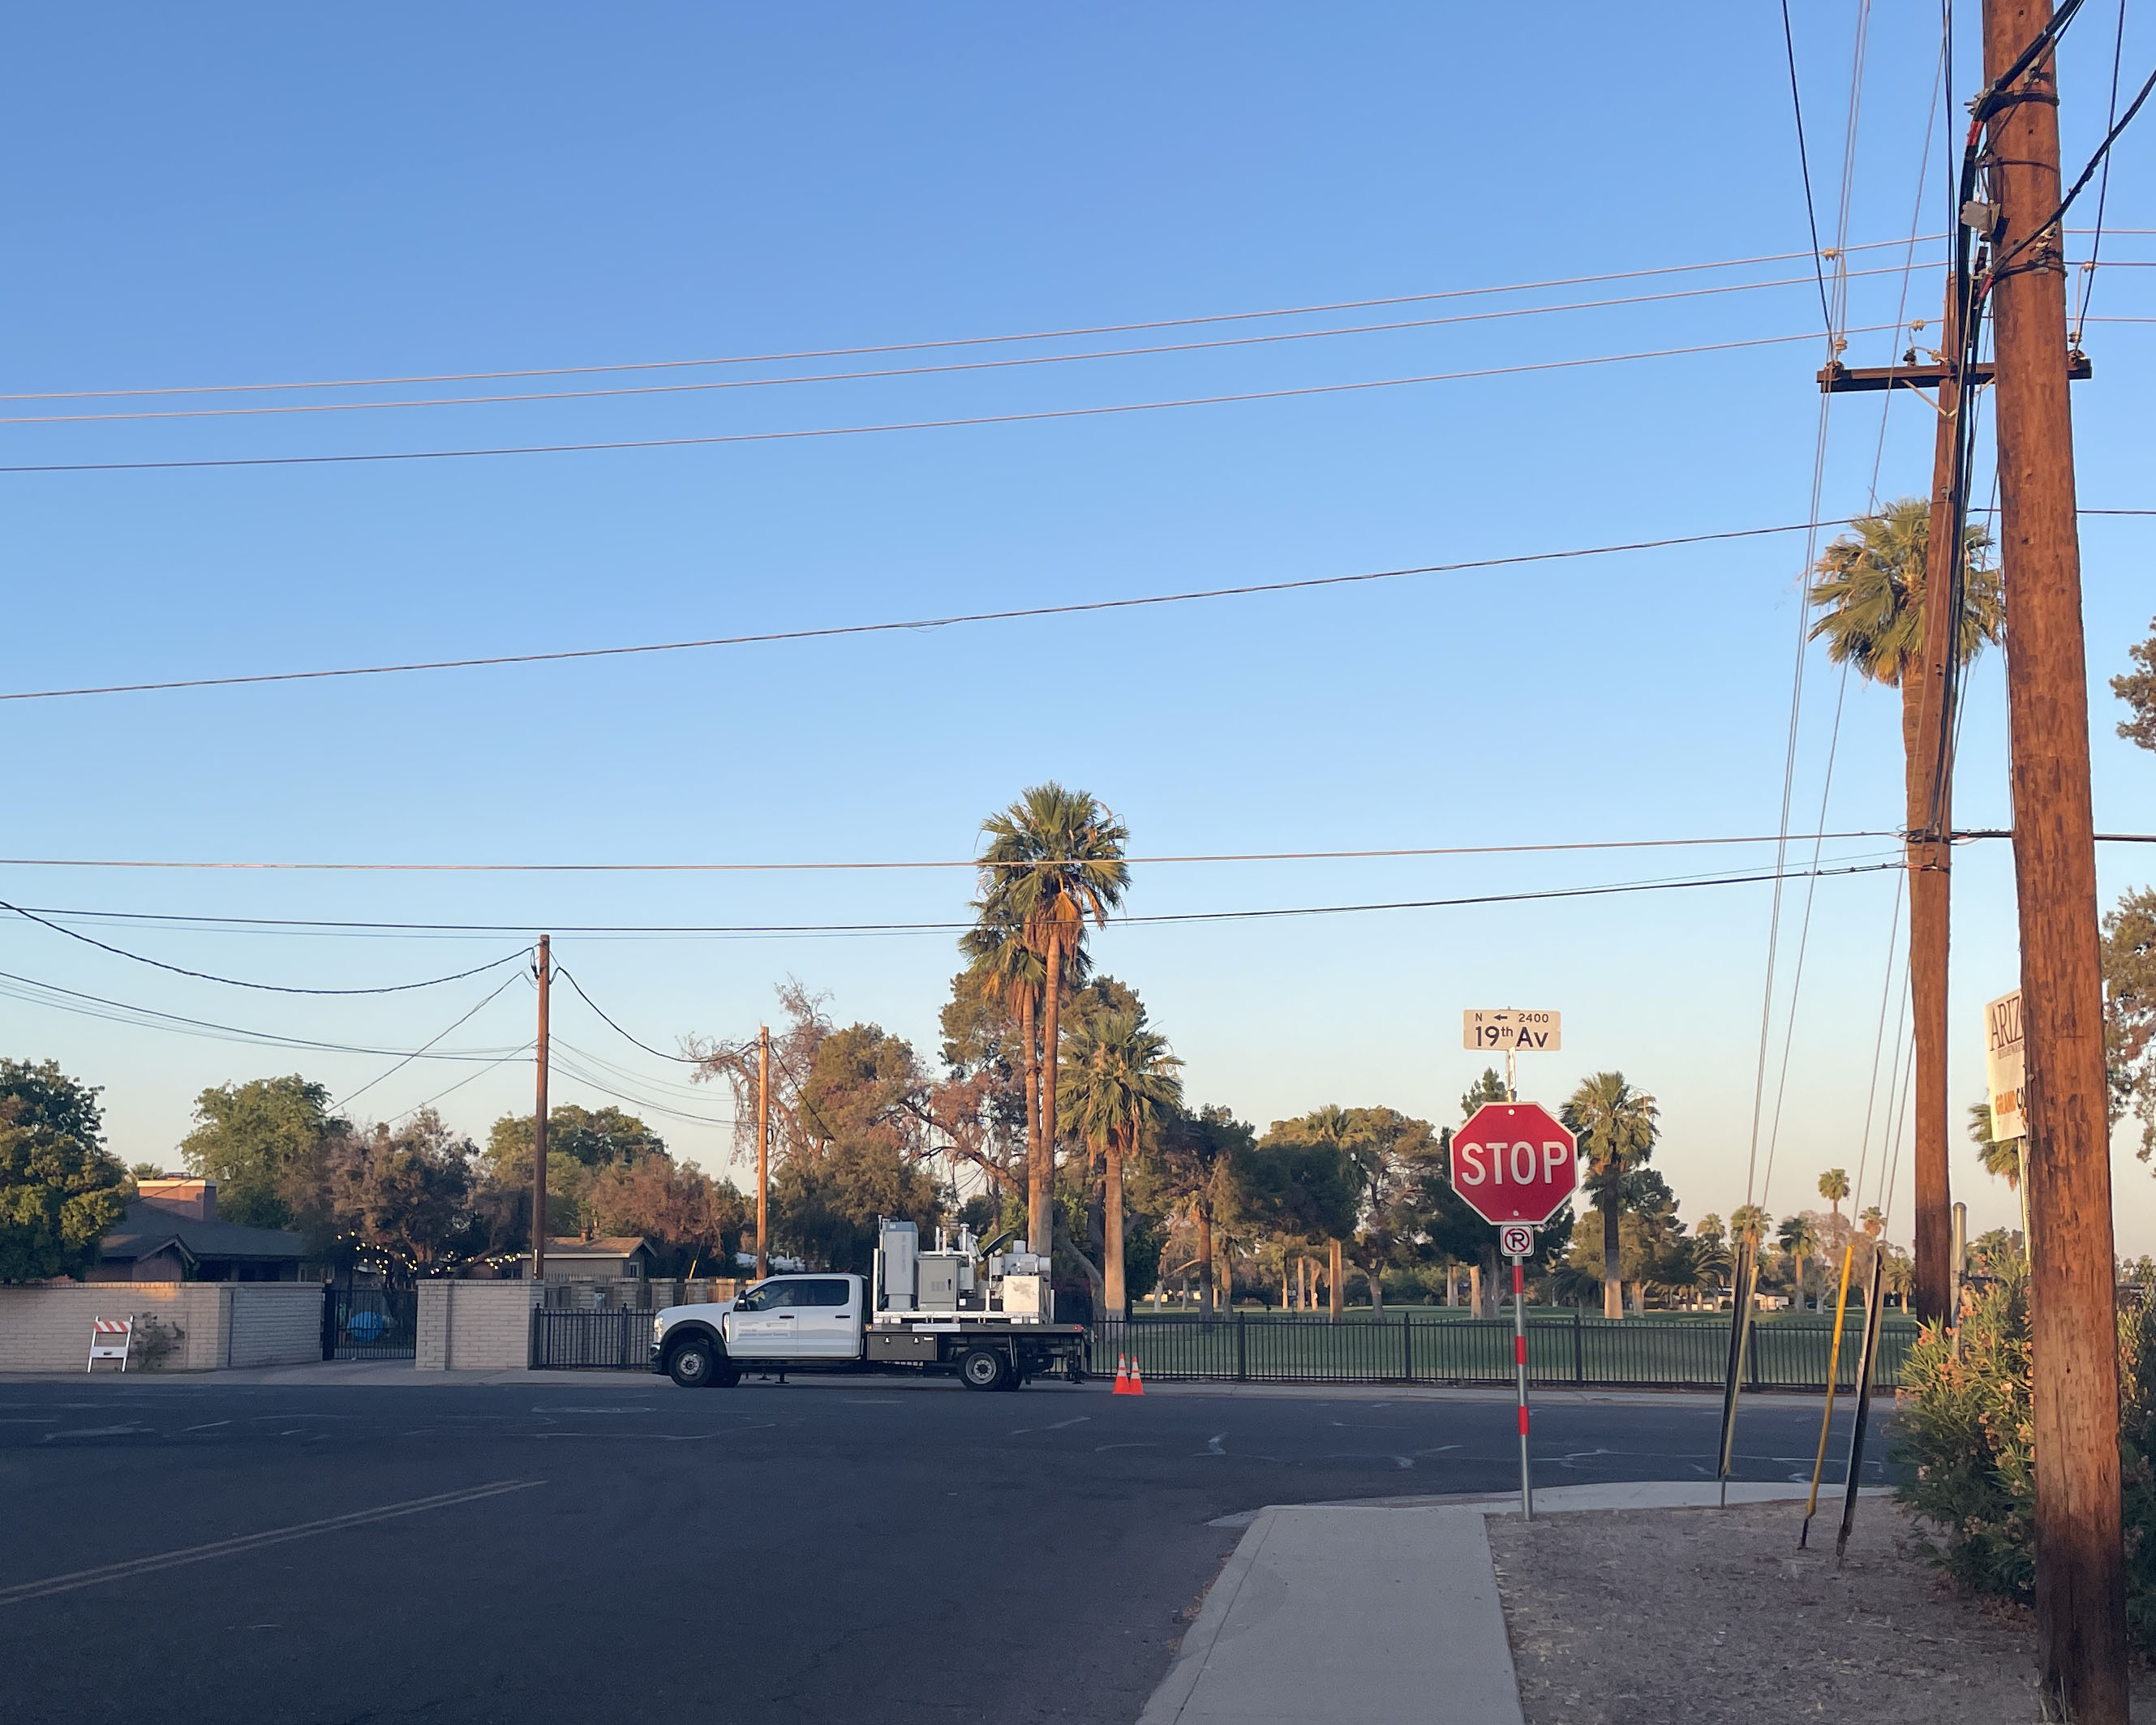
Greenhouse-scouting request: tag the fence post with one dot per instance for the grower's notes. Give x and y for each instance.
(1242, 1357)
(1758, 1337)
(1579, 1350)
(1407, 1346)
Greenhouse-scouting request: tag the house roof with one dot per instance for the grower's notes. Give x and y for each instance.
(147, 1229)
(619, 1246)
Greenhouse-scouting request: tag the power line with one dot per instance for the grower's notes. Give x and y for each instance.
(423, 1047)
(1804, 164)
(1055, 335)
(910, 625)
(233, 981)
(660, 1053)
(1269, 338)
(55, 997)
(955, 422)
(717, 867)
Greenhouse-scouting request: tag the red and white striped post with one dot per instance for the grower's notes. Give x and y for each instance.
(1518, 1243)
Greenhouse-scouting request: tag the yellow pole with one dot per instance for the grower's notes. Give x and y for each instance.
(1833, 1369)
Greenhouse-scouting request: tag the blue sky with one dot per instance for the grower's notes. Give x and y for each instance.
(261, 196)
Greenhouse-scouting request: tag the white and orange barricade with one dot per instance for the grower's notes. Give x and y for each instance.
(110, 1338)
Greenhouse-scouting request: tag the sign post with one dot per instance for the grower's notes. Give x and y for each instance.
(1488, 1032)
(1514, 1165)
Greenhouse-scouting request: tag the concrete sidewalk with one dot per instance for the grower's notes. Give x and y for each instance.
(1383, 1614)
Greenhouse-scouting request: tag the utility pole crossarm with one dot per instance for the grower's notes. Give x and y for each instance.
(1839, 379)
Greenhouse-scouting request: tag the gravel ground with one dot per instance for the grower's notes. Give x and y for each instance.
(1643, 1616)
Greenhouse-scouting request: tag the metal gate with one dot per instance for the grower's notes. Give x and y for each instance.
(592, 1341)
(370, 1324)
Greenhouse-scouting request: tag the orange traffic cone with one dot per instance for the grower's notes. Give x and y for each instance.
(1138, 1380)
(1123, 1377)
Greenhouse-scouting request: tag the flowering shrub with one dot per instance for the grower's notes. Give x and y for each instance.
(1964, 1425)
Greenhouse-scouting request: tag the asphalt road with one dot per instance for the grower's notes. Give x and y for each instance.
(852, 1550)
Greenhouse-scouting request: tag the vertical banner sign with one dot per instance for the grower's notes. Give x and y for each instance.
(2006, 1072)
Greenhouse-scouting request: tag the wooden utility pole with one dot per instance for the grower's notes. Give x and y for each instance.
(1926, 722)
(539, 1126)
(762, 1152)
(2081, 1589)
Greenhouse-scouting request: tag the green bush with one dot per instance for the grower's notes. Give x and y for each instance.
(1966, 1427)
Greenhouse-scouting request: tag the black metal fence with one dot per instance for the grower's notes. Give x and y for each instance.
(592, 1341)
(1634, 1352)
(369, 1324)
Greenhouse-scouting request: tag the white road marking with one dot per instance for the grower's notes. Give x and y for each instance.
(128, 1431)
(17, 1594)
(41, 1419)
(1098, 1448)
(207, 1426)
(1212, 1446)
(643, 1408)
(1058, 1426)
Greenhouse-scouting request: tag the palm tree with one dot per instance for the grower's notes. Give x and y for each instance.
(1001, 967)
(1616, 1126)
(1874, 1221)
(1869, 586)
(1054, 859)
(1834, 1187)
(1118, 1079)
(1798, 1236)
(2008, 1161)
(1900, 1274)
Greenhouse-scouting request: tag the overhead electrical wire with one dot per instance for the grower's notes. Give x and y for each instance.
(569, 978)
(391, 1072)
(905, 626)
(55, 998)
(469, 1078)
(940, 344)
(2104, 189)
(1269, 338)
(233, 981)
(1390, 853)
(955, 422)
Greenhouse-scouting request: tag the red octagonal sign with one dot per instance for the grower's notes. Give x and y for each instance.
(1514, 1162)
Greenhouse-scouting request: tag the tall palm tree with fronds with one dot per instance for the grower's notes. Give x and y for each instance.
(1869, 586)
(1800, 1237)
(1001, 967)
(1053, 862)
(1616, 1128)
(1118, 1081)
(1834, 1187)
(2008, 1161)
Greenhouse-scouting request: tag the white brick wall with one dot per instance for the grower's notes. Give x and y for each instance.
(47, 1329)
(475, 1326)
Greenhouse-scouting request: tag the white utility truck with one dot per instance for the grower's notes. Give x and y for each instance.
(987, 1314)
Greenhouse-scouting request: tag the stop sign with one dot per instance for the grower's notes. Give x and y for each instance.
(1514, 1162)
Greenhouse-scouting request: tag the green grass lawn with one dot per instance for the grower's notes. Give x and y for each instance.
(1446, 1345)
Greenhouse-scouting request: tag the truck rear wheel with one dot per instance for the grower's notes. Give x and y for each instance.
(984, 1368)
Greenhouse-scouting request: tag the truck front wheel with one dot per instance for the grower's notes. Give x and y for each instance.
(695, 1365)
(984, 1368)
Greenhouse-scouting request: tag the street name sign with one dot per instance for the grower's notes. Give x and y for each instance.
(1509, 1032)
(1514, 1162)
(2006, 1070)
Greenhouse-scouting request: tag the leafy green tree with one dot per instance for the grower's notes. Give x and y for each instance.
(1053, 862)
(263, 1142)
(1294, 1190)
(687, 1218)
(60, 1189)
(404, 1197)
(1616, 1126)
(1191, 1160)
(863, 1112)
(1118, 1080)
(2129, 1016)
(2137, 690)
